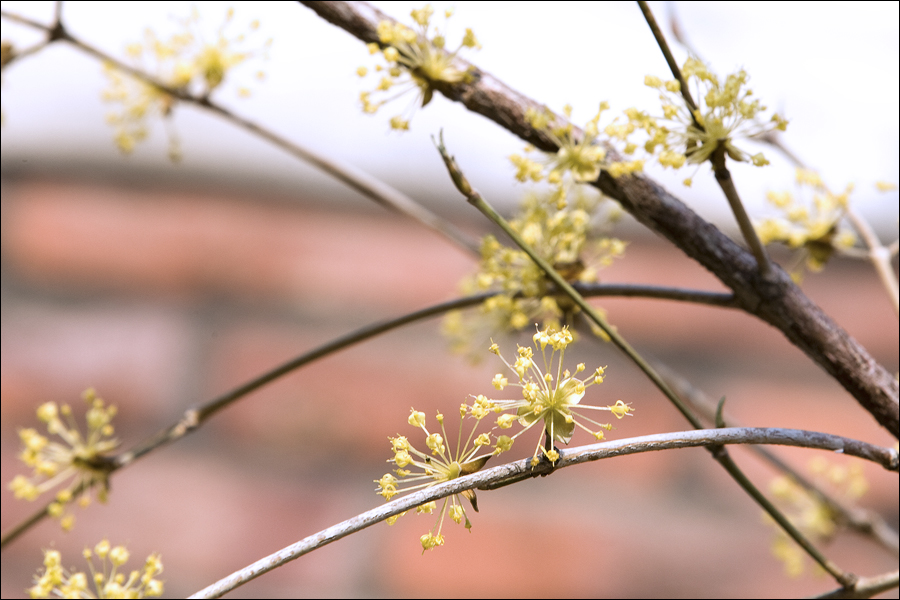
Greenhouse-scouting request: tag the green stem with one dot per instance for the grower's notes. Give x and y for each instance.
(723, 178)
(670, 59)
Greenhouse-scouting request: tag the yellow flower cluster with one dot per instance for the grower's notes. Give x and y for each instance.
(187, 62)
(77, 459)
(812, 227)
(415, 59)
(108, 582)
(726, 113)
(577, 160)
(551, 395)
(437, 467)
(567, 237)
(809, 513)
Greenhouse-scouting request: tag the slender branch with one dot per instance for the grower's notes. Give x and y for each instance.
(718, 452)
(487, 479)
(778, 302)
(718, 158)
(196, 416)
(631, 290)
(368, 186)
(864, 521)
(670, 60)
(867, 587)
(723, 178)
(477, 200)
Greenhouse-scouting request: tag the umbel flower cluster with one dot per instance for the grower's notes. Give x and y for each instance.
(813, 227)
(415, 58)
(108, 581)
(187, 62)
(551, 397)
(726, 113)
(579, 158)
(568, 237)
(76, 460)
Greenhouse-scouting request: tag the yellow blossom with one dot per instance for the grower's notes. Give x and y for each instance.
(77, 461)
(189, 62)
(726, 113)
(108, 581)
(436, 467)
(811, 222)
(416, 59)
(569, 237)
(552, 395)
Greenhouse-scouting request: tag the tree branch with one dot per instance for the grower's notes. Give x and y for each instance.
(776, 301)
(520, 470)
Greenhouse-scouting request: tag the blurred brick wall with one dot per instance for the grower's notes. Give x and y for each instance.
(161, 300)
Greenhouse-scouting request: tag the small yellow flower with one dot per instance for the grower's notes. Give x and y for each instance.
(55, 581)
(552, 395)
(78, 460)
(435, 467)
(414, 61)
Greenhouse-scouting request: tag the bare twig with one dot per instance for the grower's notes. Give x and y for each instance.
(520, 470)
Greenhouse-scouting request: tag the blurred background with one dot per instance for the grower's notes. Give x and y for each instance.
(165, 285)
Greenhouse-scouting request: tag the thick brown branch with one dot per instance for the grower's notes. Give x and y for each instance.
(777, 301)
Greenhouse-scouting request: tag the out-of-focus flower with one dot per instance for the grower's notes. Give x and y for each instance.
(189, 62)
(808, 512)
(569, 238)
(78, 460)
(811, 226)
(109, 582)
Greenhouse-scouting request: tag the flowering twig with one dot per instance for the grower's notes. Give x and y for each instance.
(719, 453)
(878, 254)
(778, 302)
(196, 416)
(723, 175)
(362, 182)
(487, 479)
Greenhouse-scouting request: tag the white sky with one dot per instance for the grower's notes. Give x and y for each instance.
(831, 68)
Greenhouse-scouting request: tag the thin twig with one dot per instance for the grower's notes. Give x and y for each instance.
(864, 521)
(196, 416)
(867, 587)
(519, 470)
